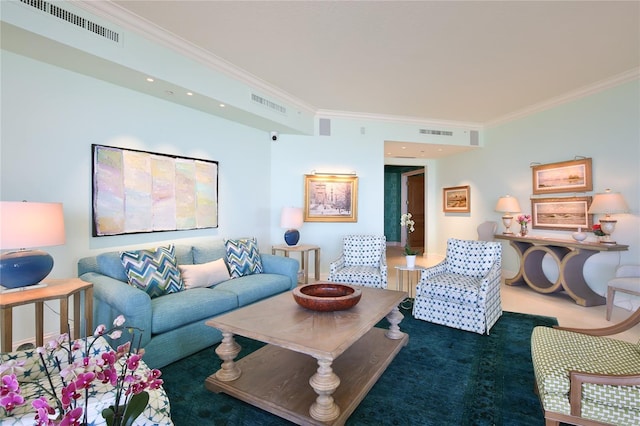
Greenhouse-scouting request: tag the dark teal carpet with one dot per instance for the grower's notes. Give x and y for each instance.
(443, 376)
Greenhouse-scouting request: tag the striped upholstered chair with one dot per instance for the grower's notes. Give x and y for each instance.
(583, 378)
(462, 291)
(363, 261)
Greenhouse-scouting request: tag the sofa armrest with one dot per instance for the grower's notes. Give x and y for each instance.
(112, 298)
(272, 264)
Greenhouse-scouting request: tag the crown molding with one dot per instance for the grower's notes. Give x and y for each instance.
(134, 23)
(591, 89)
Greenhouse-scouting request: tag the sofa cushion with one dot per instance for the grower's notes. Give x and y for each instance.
(243, 257)
(204, 274)
(210, 251)
(199, 304)
(252, 288)
(154, 271)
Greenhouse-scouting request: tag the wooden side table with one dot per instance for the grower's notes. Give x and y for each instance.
(304, 250)
(60, 289)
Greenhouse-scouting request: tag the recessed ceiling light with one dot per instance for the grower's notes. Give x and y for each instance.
(189, 94)
(150, 80)
(222, 105)
(404, 147)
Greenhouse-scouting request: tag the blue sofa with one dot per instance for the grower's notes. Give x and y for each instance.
(174, 324)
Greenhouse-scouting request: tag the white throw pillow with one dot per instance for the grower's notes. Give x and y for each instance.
(204, 274)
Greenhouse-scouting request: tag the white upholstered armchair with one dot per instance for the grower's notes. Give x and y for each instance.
(363, 261)
(462, 291)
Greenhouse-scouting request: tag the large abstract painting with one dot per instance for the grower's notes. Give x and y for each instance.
(138, 191)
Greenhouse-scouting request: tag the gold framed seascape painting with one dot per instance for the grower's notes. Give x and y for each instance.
(567, 213)
(330, 198)
(566, 176)
(456, 199)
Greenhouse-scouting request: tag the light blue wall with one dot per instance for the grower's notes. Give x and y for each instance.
(604, 126)
(51, 116)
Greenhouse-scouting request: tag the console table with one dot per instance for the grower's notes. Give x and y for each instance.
(304, 250)
(570, 257)
(56, 289)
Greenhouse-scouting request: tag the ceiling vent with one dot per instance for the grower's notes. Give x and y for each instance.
(435, 132)
(268, 104)
(74, 19)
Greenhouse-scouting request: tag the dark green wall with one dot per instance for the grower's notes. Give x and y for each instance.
(392, 199)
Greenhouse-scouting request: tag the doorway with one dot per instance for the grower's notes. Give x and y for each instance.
(413, 201)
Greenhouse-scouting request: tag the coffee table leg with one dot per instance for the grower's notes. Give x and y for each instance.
(394, 319)
(227, 351)
(324, 382)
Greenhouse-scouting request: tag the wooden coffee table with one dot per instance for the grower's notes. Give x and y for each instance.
(317, 366)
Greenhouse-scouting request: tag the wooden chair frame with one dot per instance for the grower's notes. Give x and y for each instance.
(578, 378)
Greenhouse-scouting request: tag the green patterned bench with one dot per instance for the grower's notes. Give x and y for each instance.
(587, 379)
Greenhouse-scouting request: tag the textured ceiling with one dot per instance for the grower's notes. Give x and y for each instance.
(461, 61)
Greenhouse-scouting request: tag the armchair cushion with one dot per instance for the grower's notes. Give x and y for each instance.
(556, 352)
(362, 250)
(453, 287)
(362, 262)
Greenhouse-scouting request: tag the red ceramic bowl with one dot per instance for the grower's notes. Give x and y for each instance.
(327, 297)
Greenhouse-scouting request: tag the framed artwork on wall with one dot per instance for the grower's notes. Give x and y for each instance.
(330, 198)
(456, 199)
(566, 176)
(138, 191)
(567, 213)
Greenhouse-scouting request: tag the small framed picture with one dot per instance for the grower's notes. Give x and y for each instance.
(456, 199)
(330, 198)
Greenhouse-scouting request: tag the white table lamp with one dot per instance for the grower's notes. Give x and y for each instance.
(608, 203)
(507, 205)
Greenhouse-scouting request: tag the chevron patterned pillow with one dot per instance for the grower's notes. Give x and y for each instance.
(243, 257)
(154, 271)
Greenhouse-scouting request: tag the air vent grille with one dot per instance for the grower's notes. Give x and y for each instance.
(74, 19)
(268, 104)
(435, 132)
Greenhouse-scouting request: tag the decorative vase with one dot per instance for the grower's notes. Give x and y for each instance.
(523, 230)
(579, 236)
(411, 261)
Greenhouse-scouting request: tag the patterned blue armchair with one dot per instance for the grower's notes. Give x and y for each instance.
(363, 261)
(462, 291)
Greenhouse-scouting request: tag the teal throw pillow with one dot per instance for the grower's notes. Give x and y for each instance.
(154, 271)
(243, 257)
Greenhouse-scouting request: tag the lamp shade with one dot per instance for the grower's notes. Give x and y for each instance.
(27, 225)
(23, 226)
(507, 204)
(608, 203)
(291, 219)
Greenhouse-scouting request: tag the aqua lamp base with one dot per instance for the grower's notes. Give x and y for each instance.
(23, 268)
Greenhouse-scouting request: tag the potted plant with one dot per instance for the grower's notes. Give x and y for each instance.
(410, 254)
